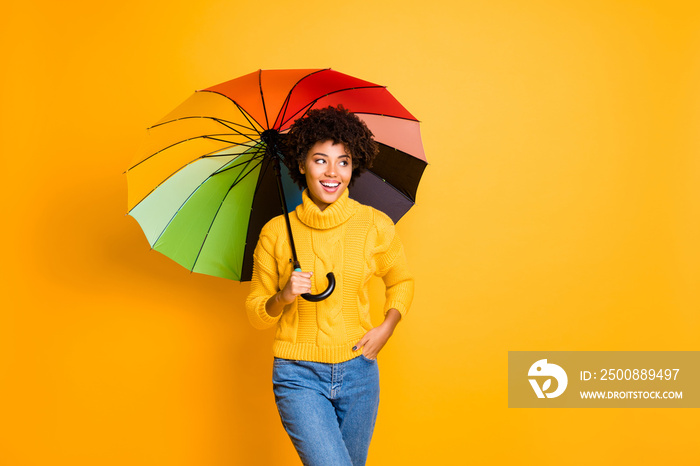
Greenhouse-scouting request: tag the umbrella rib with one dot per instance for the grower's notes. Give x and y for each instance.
(255, 141)
(387, 116)
(170, 175)
(203, 136)
(236, 131)
(240, 178)
(233, 185)
(255, 157)
(262, 98)
(285, 104)
(219, 154)
(313, 102)
(219, 120)
(243, 112)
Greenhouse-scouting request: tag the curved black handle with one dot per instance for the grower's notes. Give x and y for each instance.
(314, 298)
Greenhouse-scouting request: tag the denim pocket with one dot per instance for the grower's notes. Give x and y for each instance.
(368, 359)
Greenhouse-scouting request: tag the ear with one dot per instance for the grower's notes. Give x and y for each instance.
(302, 170)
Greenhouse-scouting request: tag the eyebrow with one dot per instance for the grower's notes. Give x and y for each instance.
(326, 155)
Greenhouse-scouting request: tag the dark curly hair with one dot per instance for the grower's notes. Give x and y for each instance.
(336, 124)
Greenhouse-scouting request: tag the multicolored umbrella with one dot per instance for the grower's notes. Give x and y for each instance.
(205, 185)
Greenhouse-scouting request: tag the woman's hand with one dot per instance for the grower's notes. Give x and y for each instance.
(298, 284)
(374, 340)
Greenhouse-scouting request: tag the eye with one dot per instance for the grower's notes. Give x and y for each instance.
(343, 163)
(320, 160)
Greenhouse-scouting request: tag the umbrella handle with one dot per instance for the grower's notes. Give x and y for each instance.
(314, 298)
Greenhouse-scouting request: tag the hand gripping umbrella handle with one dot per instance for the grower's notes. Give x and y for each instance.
(314, 298)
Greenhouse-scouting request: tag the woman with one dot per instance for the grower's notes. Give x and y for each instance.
(325, 374)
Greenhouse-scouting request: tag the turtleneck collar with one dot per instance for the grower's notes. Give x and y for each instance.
(332, 216)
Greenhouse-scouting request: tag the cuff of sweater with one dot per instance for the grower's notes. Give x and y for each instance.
(262, 319)
(403, 310)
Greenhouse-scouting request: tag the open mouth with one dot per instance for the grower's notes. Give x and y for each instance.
(330, 184)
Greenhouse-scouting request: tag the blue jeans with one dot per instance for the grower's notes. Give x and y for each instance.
(328, 410)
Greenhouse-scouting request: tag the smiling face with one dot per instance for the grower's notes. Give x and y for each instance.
(328, 169)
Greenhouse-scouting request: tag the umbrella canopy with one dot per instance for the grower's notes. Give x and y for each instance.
(205, 185)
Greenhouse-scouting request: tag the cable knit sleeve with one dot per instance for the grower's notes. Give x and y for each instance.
(265, 280)
(392, 266)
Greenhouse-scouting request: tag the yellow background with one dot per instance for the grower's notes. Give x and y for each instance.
(560, 212)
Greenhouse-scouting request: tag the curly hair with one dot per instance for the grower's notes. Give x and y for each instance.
(336, 124)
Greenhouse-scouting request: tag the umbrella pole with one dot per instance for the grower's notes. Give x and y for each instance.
(283, 203)
(297, 267)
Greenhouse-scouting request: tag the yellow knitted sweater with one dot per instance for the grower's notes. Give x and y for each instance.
(347, 238)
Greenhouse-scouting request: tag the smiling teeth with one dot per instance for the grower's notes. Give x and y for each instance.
(330, 185)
